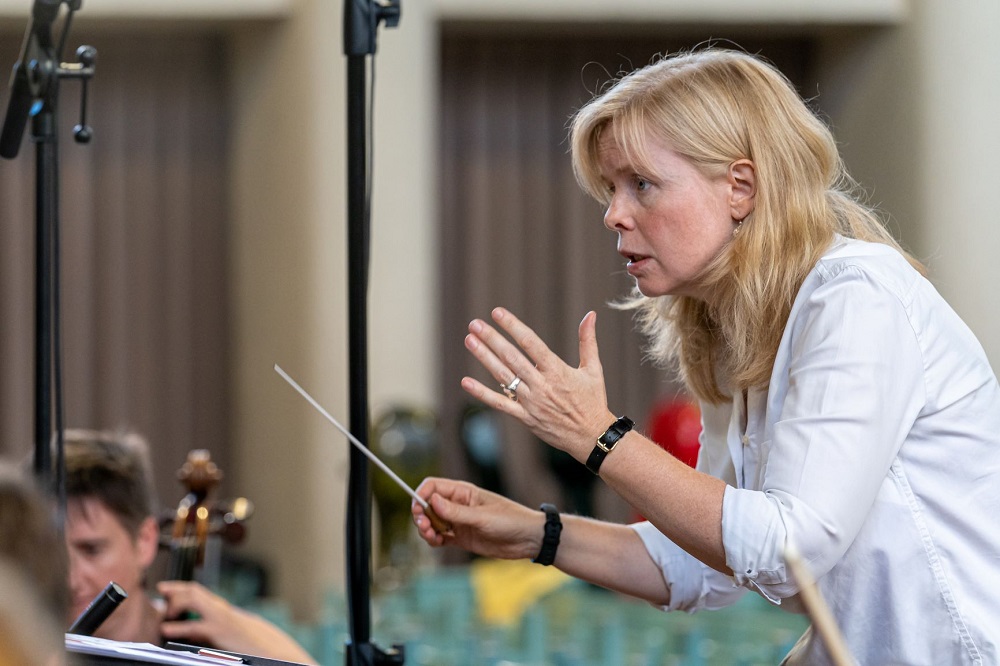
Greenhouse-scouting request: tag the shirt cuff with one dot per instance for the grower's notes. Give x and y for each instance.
(684, 575)
(757, 562)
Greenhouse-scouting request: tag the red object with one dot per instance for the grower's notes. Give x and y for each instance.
(675, 425)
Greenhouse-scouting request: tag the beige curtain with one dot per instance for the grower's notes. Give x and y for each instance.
(143, 230)
(516, 231)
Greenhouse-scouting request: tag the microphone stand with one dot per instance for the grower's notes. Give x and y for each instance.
(34, 93)
(361, 19)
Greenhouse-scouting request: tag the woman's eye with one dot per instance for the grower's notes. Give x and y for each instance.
(641, 184)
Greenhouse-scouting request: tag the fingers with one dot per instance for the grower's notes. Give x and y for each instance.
(500, 356)
(480, 341)
(426, 488)
(589, 356)
(525, 337)
(431, 527)
(184, 596)
(483, 341)
(446, 500)
(492, 397)
(178, 596)
(193, 630)
(217, 620)
(522, 361)
(426, 528)
(181, 597)
(444, 487)
(223, 625)
(440, 525)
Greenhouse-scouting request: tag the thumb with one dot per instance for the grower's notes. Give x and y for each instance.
(443, 507)
(452, 513)
(589, 355)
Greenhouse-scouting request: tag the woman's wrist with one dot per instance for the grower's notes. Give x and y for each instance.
(593, 430)
(534, 532)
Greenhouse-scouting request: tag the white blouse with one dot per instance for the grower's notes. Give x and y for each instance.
(876, 449)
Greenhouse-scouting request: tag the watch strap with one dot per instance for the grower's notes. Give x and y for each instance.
(550, 540)
(607, 441)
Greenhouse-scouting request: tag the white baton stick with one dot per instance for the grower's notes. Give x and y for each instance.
(439, 525)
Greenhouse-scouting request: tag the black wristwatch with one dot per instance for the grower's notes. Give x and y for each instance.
(550, 541)
(607, 441)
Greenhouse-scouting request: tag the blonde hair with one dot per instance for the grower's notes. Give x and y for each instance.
(714, 107)
(30, 634)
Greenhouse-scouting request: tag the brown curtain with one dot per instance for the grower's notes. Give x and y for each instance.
(143, 230)
(516, 230)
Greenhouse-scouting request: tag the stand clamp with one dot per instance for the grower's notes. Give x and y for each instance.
(83, 69)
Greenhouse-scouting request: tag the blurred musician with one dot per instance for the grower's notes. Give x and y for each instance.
(32, 575)
(112, 535)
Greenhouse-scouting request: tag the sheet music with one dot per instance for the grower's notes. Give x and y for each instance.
(143, 652)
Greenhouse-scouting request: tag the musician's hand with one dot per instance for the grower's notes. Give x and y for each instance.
(481, 521)
(564, 406)
(222, 625)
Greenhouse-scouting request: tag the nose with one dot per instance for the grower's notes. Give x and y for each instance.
(617, 216)
(75, 575)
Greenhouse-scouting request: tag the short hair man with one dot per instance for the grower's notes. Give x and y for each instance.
(112, 534)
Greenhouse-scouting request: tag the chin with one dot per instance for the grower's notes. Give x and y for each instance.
(650, 291)
(74, 612)
(109, 630)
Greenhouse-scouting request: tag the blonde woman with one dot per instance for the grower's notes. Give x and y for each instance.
(847, 410)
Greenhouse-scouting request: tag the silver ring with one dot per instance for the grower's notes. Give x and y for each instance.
(510, 390)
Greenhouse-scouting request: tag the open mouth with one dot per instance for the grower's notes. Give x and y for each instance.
(636, 264)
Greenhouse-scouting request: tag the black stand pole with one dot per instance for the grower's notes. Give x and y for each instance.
(35, 93)
(361, 19)
(43, 133)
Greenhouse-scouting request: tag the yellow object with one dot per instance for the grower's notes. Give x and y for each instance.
(504, 589)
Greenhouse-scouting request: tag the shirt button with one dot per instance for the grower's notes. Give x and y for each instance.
(746, 439)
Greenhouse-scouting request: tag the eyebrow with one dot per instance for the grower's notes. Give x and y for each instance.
(98, 541)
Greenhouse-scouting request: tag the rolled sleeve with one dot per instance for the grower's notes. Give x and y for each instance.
(754, 559)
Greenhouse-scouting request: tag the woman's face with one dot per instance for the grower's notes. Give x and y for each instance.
(673, 222)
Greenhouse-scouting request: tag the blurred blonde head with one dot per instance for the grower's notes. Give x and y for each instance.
(29, 634)
(33, 595)
(30, 539)
(714, 107)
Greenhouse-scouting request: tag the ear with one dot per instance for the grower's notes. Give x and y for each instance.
(147, 542)
(742, 177)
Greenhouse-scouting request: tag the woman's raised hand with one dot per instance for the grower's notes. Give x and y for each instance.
(564, 406)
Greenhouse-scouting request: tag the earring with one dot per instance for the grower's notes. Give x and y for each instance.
(736, 229)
